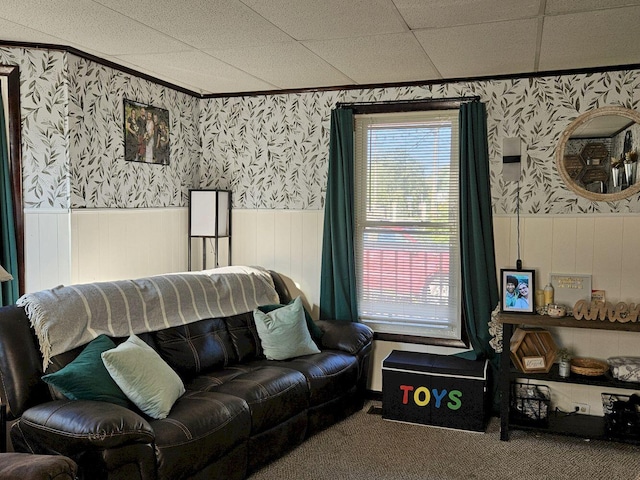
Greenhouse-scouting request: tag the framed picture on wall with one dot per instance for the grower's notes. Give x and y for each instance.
(146, 133)
(517, 289)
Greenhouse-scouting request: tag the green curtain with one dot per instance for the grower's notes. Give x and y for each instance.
(338, 298)
(480, 284)
(8, 248)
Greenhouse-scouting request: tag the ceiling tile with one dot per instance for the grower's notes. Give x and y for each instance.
(198, 69)
(380, 58)
(328, 19)
(287, 65)
(87, 23)
(203, 23)
(275, 44)
(448, 13)
(591, 39)
(555, 7)
(15, 32)
(486, 49)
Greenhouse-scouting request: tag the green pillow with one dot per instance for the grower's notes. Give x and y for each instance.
(144, 376)
(314, 330)
(86, 378)
(283, 332)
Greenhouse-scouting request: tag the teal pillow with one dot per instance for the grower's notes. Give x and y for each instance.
(283, 332)
(144, 376)
(314, 330)
(86, 378)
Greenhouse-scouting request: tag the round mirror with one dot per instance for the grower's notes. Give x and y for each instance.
(597, 155)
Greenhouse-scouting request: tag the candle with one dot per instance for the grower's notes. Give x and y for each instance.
(548, 294)
(539, 298)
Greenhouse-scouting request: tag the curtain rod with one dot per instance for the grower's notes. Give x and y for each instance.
(408, 102)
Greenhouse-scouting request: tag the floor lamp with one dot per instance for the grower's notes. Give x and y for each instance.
(210, 217)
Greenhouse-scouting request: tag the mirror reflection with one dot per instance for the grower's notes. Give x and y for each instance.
(598, 154)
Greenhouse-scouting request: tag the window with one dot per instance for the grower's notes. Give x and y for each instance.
(407, 223)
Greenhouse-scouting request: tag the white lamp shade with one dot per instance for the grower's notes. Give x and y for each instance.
(206, 207)
(4, 275)
(511, 147)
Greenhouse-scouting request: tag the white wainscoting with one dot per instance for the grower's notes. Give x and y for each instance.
(287, 241)
(114, 244)
(96, 245)
(47, 251)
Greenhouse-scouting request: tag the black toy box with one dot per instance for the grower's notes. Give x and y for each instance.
(439, 390)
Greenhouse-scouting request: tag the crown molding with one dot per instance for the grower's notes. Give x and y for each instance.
(368, 86)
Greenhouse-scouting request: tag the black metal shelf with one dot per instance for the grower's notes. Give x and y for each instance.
(605, 380)
(575, 425)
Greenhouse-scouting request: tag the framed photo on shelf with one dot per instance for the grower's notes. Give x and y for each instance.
(517, 289)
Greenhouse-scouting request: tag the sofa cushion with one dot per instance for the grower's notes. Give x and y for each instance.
(273, 394)
(86, 378)
(329, 374)
(144, 377)
(314, 330)
(284, 333)
(188, 440)
(243, 333)
(196, 347)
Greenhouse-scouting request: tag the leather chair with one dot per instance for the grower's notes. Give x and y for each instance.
(21, 466)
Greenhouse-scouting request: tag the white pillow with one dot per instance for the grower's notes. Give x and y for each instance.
(143, 376)
(284, 333)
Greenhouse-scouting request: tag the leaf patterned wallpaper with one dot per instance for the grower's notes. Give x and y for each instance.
(73, 140)
(100, 176)
(270, 150)
(43, 101)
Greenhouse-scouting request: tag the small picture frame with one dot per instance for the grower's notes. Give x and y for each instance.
(568, 288)
(517, 289)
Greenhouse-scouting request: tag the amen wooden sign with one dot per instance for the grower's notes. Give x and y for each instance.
(621, 312)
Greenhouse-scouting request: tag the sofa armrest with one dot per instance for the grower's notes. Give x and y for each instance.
(349, 337)
(72, 426)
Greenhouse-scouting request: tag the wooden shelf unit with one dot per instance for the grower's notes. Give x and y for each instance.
(577, 425)
(547, 321)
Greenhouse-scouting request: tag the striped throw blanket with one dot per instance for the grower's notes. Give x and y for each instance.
(66, 317)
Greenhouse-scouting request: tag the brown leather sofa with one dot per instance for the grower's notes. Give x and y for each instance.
(234, 417)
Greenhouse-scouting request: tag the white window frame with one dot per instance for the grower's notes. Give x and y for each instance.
(415, 316)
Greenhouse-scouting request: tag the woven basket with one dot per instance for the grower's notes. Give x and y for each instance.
(589, 367)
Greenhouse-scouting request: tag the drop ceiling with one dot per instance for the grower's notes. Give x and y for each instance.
(236, 46)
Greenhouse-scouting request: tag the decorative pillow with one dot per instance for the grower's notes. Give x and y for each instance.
(144, 376)
(86, 378)
(626, 369)
(283, 332)
(314, 330)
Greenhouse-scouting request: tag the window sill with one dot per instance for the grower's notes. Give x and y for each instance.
(440, 342)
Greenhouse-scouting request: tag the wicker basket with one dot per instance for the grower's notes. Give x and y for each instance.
(588, 366)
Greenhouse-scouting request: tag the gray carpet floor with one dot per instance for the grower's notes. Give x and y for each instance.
(364, 446)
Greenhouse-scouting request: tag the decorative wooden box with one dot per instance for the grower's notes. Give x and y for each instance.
(533, 350)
